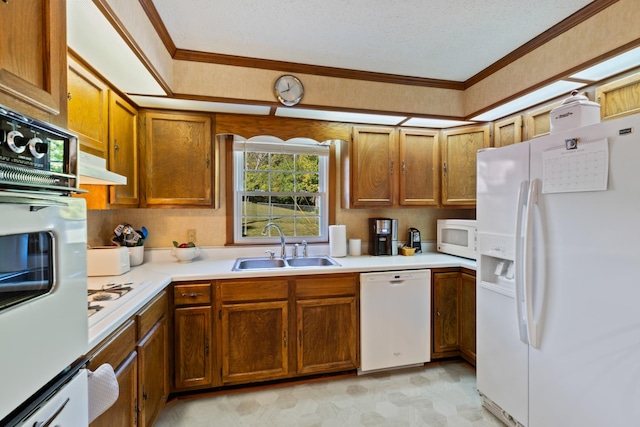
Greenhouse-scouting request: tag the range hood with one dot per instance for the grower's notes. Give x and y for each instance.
(93, 170)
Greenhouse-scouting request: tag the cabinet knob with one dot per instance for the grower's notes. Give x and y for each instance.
(192, 294)
(69, 97)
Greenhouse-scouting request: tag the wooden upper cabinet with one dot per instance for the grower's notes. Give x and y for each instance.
(538, 122)
(123, 150)
(386, 168)
(419, 184)
(88, 104)
(177, 159)
(619, 98)
(372, 163)
(33, 46)
(507, 131)
(459, 150)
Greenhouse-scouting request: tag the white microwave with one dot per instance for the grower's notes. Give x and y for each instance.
(458, 237)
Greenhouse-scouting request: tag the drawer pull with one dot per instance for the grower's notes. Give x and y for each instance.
(193, 294)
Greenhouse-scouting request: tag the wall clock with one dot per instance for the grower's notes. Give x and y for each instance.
(289, 90)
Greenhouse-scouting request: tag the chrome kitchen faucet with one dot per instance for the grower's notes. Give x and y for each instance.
(283, 252)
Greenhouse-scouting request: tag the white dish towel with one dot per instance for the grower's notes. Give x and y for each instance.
(103, 390)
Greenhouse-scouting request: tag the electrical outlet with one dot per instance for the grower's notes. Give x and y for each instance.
(191, 235)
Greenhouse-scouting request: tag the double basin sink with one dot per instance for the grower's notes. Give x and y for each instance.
(243, 264)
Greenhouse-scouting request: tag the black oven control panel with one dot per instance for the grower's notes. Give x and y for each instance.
(35, 155)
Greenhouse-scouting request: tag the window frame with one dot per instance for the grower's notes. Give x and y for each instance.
(301, 146)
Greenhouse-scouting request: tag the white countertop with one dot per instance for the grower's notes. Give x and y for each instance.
(160, 269)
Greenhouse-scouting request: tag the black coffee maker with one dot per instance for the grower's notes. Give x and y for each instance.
(414, 240)
(380, 236)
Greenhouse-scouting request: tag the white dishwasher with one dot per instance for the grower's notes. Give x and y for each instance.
(395, 319)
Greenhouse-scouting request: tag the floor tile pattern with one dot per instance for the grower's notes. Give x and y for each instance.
(439, 395)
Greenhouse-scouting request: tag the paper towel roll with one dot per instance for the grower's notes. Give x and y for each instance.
(337, 240)
(103, 390)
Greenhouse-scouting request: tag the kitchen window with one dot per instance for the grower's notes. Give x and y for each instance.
(284, 183)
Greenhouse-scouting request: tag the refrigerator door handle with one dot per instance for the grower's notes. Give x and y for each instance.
(519, 278)
(532, 324)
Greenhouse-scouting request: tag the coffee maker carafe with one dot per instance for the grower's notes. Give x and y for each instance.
(382, 232)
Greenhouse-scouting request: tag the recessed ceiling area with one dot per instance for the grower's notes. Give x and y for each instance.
(453, 41)
(448, 40)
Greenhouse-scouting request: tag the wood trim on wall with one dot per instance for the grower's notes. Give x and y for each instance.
(197, 56)
(113, 19)
(582, 15)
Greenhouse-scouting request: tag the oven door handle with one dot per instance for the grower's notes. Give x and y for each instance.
(35, 203)
(54, 415)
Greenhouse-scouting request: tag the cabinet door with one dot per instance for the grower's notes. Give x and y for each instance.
(460, 148)
(178, 159)
(419, 184)
(619, 98)
(33, 58)
(538, 122)
(192, 347)
(372, 167)
(123, 413)
(445, 315)
(153, 366)
(123, 150)
(88, 103)
(254, 341)
(468, 317)
(507, 131)
(326, 334)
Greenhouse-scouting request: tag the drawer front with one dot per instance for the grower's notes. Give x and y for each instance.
(151, 313)
(254, 289)
(115, 348)
(192, 294)
(326, 286)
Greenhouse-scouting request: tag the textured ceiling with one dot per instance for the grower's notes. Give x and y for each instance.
(438, 39)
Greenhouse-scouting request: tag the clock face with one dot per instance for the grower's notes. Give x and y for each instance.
(289, 90)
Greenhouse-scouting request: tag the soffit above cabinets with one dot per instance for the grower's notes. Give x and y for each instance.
(399, 32)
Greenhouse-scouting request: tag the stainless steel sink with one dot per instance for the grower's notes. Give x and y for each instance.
(243, 264)
(313, 261)
(258, 263)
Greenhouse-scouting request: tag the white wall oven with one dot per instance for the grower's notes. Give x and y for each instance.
(43, 275)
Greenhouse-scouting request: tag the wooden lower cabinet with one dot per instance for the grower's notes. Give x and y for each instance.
(445, 314)
(454, 314)
(250, 330)
(138, 353)
(254, 341)
(192, 352)
(119, 351)
(327, 324)
(254, 329)
(124, 410)
(193, 338)
(153, 363)
(468, 316)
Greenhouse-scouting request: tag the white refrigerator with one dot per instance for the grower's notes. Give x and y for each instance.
(558, 282)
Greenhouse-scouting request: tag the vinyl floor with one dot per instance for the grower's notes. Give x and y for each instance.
(442, 394)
